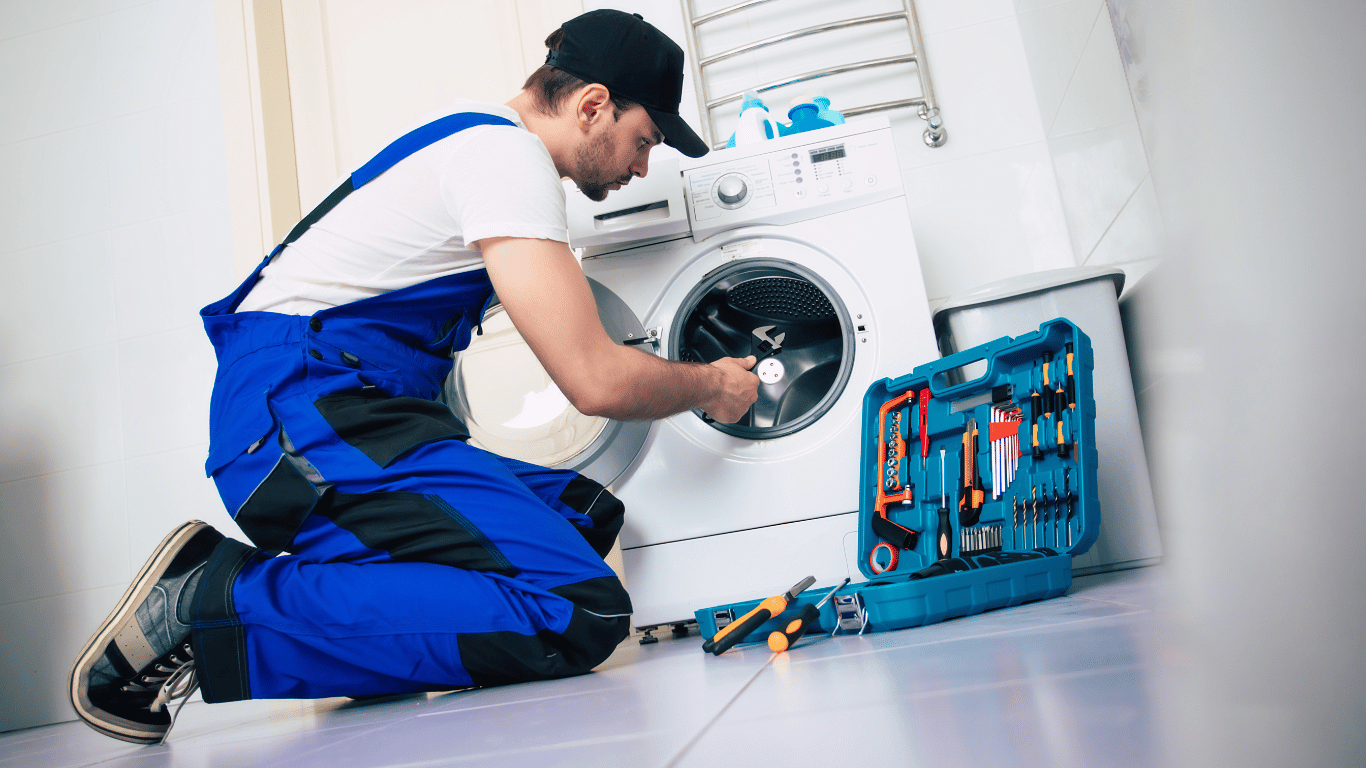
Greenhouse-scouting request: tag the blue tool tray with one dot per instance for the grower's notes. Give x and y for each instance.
(1036, 508)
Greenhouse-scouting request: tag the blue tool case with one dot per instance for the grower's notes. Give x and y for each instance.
(1009, 426)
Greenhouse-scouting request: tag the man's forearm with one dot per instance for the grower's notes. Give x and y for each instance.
(643, 387)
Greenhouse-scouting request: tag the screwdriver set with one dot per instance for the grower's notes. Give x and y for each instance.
(974, 495)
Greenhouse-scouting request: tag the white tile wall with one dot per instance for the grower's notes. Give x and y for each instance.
(156, 54)
(113, 232)
(170, 488)
(962, 232)
(56, 298)
(1093, 134)
(85, 511)
(1055, 37)
(1098, 173)
(59, 412)
(57, 186)
(40, 639)
(48, 79)
(1097, 95)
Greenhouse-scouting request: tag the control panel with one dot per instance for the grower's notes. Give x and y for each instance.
(793, 178)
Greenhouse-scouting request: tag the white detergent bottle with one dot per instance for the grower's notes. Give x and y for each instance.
(754, 125)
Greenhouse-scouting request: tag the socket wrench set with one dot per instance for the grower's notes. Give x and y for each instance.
(973, 495)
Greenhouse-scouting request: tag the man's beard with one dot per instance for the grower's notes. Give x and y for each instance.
(591, 158)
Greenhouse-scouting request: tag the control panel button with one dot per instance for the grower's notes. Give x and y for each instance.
(847, 184)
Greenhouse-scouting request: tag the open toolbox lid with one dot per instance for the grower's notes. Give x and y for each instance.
(934, 549)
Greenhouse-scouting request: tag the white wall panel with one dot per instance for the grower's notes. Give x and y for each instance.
(1136, 233)
(22, 18)
(78, 511)
(59, 413)
(986, 217)
(1098, 172)
(113, 226)
(166, 489)
(56, 298)
(164, 383)
(41, 638)
(1055, 36)
(1097, 95)
(984, 90)
(56, 187)
(155, 54)
(48, 83)
(937, 16)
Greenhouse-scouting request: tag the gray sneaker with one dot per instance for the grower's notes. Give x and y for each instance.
(140, 658)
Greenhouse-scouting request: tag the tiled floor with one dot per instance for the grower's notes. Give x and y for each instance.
(1064, 682)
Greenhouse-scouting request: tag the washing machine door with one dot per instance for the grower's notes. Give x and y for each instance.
(512, 408)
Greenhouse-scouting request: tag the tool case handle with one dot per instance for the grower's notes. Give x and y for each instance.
(935, 373)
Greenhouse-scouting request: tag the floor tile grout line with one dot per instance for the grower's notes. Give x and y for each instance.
(1115, 602)
(703, 732)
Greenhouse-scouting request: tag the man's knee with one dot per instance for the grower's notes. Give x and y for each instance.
(600, 621)
(589, 498)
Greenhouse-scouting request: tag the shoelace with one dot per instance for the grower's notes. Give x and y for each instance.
(177, 681)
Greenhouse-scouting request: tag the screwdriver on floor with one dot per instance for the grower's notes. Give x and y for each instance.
(782, 639)
(736, 631)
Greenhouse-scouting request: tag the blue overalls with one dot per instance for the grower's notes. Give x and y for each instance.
(415, 561)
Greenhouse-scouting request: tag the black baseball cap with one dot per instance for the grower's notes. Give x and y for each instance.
(635, 61)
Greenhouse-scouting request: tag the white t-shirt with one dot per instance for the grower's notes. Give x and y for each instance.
(418, 220)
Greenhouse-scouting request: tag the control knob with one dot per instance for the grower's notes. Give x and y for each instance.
(731, 190)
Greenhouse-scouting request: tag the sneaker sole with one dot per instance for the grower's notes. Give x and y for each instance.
(147, 578)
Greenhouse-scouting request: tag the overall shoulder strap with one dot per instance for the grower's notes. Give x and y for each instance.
(402, 147)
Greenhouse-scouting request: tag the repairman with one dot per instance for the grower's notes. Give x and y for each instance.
(390, 556)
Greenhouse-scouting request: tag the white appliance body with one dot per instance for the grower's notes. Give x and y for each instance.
(715, 517)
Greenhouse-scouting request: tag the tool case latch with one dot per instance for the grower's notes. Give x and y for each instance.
(851, 613)
(723, 617)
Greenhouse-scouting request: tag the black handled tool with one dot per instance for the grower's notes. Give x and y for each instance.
(736, 631)
(1071, 385)
(1047, 387)
(970, 502)
(782, 639)
(1035, 411)
(943, 537)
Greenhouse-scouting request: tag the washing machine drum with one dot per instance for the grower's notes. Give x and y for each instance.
(790, 319)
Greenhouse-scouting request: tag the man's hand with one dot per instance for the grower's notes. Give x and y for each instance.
(739, 389)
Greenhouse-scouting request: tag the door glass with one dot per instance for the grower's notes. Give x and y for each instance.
(509, 403)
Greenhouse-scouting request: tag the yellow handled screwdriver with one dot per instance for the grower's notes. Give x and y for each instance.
(782, 639)
(736, 631)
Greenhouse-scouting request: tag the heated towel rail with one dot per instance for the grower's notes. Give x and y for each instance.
(927, 107)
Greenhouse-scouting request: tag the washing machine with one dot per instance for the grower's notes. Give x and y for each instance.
(798, 250)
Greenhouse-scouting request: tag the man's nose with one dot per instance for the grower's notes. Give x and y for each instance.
(641, 166)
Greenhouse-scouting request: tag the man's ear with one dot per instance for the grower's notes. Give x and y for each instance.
(593, 105)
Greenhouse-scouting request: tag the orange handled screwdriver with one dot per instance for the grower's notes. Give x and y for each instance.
(736, 631)
(782, 639)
